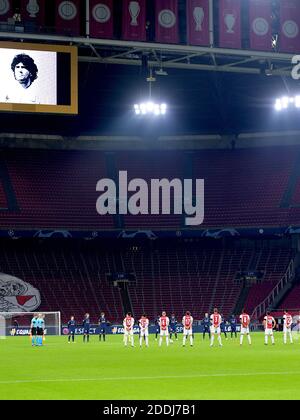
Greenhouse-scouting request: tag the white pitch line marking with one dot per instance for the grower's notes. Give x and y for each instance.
(145, 378)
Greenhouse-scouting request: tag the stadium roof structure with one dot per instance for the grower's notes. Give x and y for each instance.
(177, 56)
(208, 90)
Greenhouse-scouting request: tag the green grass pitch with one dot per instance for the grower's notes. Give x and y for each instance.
(98, 370)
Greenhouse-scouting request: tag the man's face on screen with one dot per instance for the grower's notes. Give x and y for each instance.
(22, 75)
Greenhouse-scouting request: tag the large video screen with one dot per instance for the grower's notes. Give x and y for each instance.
(38, 78)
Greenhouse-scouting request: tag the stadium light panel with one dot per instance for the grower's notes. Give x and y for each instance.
(286, 102)
(150, 108)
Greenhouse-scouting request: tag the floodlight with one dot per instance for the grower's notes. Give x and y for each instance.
(150, 107)
(286, 102)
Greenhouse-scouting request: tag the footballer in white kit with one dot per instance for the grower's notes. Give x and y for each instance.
(269, 324)
(187, 322)
(287, 326)
(164, 328)
(245, 322)
(128, 324)
(215, 320)
(144, 330)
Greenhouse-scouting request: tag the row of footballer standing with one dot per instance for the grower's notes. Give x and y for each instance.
(213, 325)
(232, 324)
(233, 321)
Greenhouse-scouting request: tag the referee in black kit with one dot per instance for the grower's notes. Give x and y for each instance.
(206, 324)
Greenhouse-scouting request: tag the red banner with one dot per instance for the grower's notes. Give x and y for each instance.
(198, 22)
(260, 19)
(134, 20)
(6, 10)
(101, 19)
(166, 21)
(33, 11)
(68, 17)
(289, 38)
(230, 24)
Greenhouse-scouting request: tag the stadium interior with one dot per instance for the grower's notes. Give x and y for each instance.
(53, 238)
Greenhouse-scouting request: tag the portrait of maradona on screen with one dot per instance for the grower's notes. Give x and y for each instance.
(25, 73)
(29, 77)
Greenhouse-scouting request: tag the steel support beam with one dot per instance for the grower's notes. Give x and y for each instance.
(167, 55)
